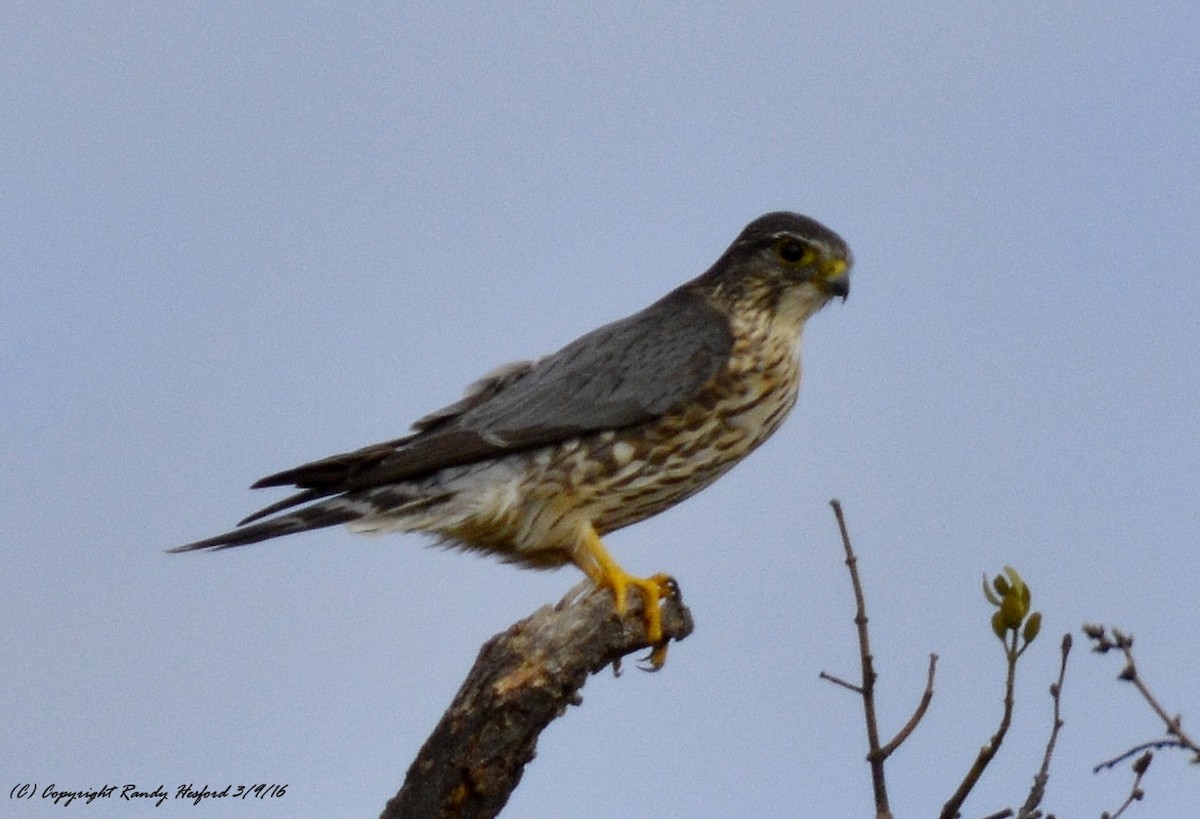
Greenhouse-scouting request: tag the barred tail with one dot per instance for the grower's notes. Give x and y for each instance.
(328, 512)
(318, 516)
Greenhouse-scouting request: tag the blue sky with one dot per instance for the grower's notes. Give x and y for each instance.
(241, 237)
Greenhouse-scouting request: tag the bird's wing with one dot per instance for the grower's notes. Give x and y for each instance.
(624, 373)
(498, 379)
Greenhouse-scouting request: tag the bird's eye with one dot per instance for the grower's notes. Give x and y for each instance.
(791, 251)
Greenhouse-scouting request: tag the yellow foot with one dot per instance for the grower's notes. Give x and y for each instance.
(605, 572)
(652, 589)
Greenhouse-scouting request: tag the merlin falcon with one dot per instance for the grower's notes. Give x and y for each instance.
(542, 458)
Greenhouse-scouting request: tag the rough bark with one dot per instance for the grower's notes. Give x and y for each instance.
(522, 680)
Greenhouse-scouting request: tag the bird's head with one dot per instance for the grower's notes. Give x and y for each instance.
(782, 257)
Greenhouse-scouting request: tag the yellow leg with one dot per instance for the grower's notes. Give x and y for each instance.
(606, 573)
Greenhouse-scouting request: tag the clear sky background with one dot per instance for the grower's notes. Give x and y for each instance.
(239, 237)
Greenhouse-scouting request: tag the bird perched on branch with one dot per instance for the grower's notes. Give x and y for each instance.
(541, 458)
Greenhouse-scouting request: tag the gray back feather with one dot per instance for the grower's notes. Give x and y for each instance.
(624, 373)
(621, 374)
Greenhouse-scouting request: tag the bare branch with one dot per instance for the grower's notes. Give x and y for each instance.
(1140, 766)
(951, 809)
(867, 689)
(523, 679)
(922, 706)
(1152, 745)
(1038, 791)
(825, 675)
(1102, 643)
(877, 754)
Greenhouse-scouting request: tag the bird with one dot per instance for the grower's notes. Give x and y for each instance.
(540, 459)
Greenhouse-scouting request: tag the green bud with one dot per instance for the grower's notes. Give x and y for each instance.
(998, 627)
(1012, 612)
(1032, 626)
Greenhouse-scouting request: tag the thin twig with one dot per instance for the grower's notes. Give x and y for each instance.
(857, 689)
(1152, 745)
(1174, 724)
(867, 689)
(1135, 792)
(910, 726)
(1103, 643)
(1038, 791)
(951, 809)
(877, 754)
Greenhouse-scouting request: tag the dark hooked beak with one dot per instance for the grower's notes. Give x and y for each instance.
(835, 274)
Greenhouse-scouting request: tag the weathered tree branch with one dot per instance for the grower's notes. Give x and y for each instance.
(522, 680)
